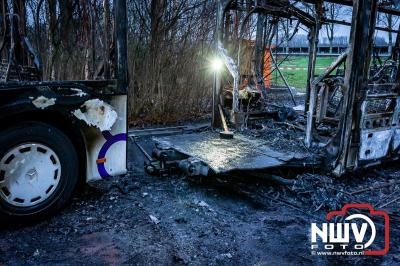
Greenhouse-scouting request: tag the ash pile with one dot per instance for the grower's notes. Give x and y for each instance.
(281, 124)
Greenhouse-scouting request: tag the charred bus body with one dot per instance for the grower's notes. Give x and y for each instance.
(57, 134)
(351, 112)
(360, 107)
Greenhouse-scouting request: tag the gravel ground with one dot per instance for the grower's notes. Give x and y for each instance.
(233, 220)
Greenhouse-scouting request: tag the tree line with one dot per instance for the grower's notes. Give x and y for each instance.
(169, 45)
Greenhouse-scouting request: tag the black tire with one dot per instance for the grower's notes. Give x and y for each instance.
(62, 146)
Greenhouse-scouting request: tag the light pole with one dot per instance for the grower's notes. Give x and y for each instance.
(216, 66)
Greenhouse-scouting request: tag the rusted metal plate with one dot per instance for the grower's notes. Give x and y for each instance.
(221, 155)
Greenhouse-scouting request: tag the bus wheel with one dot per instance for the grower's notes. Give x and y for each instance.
(38, 171)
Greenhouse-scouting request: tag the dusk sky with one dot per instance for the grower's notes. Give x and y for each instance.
(345, 31)
(345, 14)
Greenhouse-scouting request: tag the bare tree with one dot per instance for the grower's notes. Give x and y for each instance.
(52, 42)
(388, 21)
(169, 45)
(332, 12)
(106, 40)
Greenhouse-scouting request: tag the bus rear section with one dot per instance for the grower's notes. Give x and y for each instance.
(57, 135)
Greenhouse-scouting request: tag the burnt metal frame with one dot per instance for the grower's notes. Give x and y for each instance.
(354, 142)
(356, 82)
(346, 143)
(380, 8)
(260, 7)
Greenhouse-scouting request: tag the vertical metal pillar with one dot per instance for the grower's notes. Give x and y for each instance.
(356, 82)
(313, 39)
(309, 107)
(259, 53)
(216, 121)
(121, 34)
(396, 55)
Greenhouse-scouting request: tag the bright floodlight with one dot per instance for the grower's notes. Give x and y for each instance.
(217, 64)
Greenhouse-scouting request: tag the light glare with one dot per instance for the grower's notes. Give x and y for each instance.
(217, 64)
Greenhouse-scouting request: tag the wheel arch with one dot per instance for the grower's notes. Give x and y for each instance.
(61, 122)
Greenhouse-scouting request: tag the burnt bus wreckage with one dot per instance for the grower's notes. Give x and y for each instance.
(55, 135)
(350, 119)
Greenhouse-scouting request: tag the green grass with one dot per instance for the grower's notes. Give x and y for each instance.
(298, 78)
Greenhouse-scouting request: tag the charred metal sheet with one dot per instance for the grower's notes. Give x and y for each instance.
(380, 134)
(379, 123)
(375, 145)
(240, 153)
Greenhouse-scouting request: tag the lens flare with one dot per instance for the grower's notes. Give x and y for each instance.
(217, 64)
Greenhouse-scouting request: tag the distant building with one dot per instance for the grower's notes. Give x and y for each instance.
(299, 45)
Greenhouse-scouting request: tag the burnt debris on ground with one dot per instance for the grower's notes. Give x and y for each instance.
(230, 219)
(283, 125)
(271, 137)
